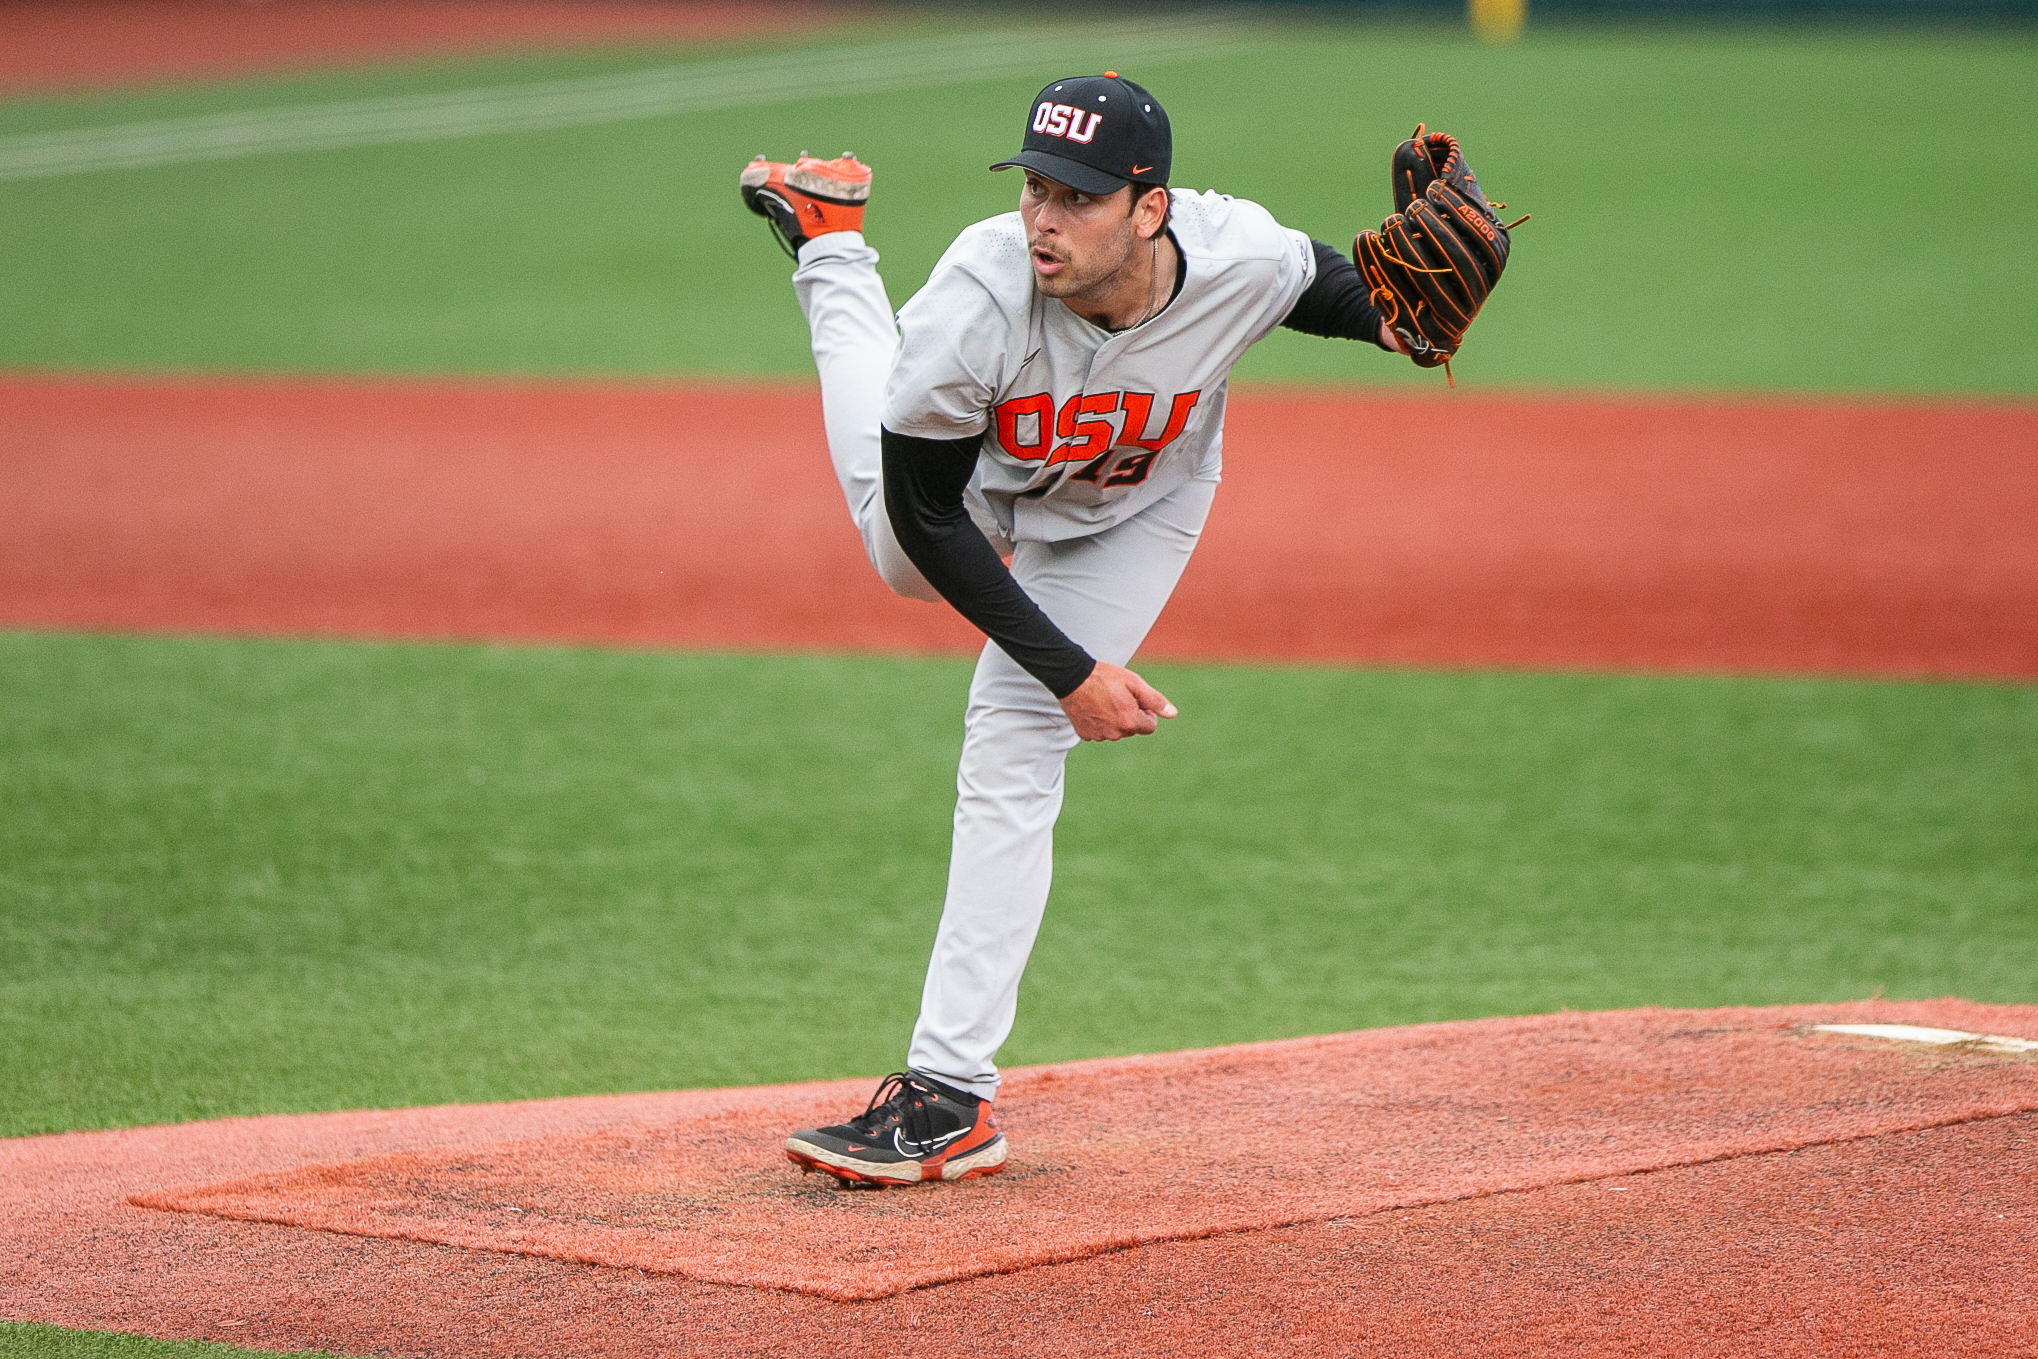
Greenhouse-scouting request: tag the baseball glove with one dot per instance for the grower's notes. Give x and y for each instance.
(1432, 265)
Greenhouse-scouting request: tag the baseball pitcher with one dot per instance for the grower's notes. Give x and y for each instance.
(1036, 440)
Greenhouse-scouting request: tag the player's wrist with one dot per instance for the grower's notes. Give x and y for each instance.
(1080, 676)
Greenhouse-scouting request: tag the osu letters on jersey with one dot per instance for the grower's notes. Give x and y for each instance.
(1083, 427)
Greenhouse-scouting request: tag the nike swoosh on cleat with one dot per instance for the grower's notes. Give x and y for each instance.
(900, 1143)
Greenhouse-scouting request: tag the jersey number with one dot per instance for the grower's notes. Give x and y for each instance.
(1089, 439)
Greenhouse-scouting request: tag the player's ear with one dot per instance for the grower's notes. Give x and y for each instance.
(1150, 211)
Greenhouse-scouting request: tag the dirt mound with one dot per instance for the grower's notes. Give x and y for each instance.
(1898, 1243)
(1110, 1154)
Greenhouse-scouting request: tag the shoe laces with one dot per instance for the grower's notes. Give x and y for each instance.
(901, 1099)
(778, 232)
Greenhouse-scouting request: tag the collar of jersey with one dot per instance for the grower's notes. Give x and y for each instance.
(1181, 275)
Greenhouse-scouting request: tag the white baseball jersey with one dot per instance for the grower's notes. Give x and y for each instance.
(1082, 427)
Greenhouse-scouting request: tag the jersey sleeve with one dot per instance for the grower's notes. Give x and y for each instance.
(1262, 267)
(954, 336)
(1294, 271)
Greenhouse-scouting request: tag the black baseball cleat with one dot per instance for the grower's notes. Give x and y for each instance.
(914, 1129)
(807, 198)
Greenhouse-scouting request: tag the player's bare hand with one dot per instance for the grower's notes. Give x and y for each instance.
(1389, 340)
(1114, 703)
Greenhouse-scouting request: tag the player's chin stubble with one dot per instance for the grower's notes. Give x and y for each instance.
(1080, 277)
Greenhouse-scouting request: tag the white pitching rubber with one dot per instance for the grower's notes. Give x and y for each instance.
(1912, 1033)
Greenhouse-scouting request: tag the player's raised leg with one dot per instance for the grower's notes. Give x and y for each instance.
(815, 208)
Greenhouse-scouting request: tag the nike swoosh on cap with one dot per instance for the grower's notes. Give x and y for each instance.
(1141, 169)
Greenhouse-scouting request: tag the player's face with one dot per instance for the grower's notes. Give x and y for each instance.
(1079, 242)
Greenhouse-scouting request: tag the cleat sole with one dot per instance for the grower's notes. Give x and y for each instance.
(809, 1164)
(988, 1159)
(985, 1160)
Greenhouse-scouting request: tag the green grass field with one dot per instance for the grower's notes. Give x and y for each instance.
(250, 876)
(25, 1340)
(1744, 208)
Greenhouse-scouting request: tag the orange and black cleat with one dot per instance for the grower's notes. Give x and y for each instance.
(914, 1129)
(807, 198)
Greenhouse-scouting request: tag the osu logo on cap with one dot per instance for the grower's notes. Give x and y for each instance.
(1059, 120)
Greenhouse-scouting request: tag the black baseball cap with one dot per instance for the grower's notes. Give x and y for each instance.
(1096, 134)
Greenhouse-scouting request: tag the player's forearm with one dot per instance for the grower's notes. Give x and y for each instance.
(924, 484)
(1337, 304)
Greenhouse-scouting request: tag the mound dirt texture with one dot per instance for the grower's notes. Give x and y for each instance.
(1733, 536)
(1120, 1153)
(1644, 1182)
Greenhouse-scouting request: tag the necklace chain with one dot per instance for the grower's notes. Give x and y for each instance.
(1154, 294)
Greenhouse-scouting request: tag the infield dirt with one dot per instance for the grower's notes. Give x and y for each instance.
(89, 44)
(1670, 535)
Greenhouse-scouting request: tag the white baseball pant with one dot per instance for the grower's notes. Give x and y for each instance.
(1104, 591)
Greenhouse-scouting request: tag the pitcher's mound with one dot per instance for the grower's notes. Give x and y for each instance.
(1115, 1153)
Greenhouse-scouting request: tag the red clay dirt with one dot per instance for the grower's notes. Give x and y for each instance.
(1735, 536)
(1895, 1242)
(87, 44)
(1134, 1150)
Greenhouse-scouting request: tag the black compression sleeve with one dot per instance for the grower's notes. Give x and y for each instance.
(924, 482)
(1336, 304)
